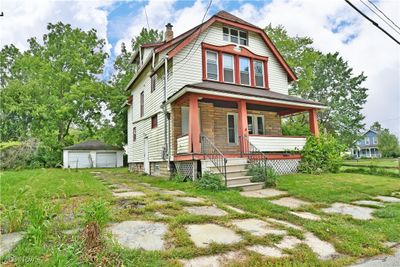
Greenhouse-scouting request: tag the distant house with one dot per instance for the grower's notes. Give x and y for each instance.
(92, 154)
(367, 146)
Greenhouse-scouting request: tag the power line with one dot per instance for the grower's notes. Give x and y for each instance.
(372, 21)
(377, 8)
(373, 11)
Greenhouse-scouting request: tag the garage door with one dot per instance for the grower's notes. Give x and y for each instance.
(79, 160)
(106, 159)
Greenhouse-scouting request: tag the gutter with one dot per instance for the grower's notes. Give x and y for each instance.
(166, 119)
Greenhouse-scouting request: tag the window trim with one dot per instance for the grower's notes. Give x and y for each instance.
(142, 104)
(255, 123)
(134, 134)
(238, 36)
(233, 68)
(263, 73)
(153, 83)
(154, 121)
(249, 72)
(235, 128)
(366, 141)
(217, 62)
(374, 140)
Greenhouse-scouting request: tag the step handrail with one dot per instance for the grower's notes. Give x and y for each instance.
(254, 155)
(211, 152)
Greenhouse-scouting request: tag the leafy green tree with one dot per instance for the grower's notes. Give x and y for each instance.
(388, 144)
(146, 36)
(376, 126)
(324, 78)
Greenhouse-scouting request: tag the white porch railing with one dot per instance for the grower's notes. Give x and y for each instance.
(277, 143)
(182, 145)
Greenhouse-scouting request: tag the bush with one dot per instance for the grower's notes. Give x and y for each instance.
(96, 212)
(321, 154)
(210, 181)
(17, 155)
(178, 177)
(261, 174)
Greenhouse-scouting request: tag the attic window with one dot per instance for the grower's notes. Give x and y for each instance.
(235, 36)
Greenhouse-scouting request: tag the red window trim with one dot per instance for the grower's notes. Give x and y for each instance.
(230, 49)
(154, 121)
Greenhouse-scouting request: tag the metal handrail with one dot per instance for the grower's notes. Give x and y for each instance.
(254, 155)
(211, 152)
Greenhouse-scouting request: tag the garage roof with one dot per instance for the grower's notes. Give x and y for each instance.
(92, 145)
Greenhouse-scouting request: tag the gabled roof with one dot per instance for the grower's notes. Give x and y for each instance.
(225, 15)
(92, 145)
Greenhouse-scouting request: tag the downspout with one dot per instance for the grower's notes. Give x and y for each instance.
(165, 111)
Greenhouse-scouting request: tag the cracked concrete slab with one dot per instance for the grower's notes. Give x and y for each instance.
(128, 194)
(139, 234)
(369, 203)
(172, 192)
(285, 223)
(214, 260)
(382, 260)
(203, 235)
(206, 211)
(388, 199)
(9, 241)
(264, 193)
(266, 251)
(323, 249)
(257, 227)
(290, 202)
(289, 242)
(190, 199)
(306, 215)
(359, 213)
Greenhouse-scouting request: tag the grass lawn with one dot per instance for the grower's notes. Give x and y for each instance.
(67, 192)
(384, 162)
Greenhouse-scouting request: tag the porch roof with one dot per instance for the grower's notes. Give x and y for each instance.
(246, 91)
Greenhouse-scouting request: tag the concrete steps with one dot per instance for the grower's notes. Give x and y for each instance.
(236, 172)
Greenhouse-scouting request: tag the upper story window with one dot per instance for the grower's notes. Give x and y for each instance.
(375, 140)
(228, 65)
(153, 82)
(244, 65)
(366, 140)
(134, 134)
(259, 73)
(212, 65)
(235, 36)
(154, 122)
(142, 104)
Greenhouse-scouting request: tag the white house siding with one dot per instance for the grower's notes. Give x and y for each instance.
(190, 69)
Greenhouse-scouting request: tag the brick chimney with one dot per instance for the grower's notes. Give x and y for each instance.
(169, 33)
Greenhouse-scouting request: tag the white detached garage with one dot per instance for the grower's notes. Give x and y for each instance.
(92, 154)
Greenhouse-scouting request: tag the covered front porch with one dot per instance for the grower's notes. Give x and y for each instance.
(234, 127)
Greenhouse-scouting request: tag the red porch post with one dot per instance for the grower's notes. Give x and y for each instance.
(242, 125)
(194, 124)
(312, 115)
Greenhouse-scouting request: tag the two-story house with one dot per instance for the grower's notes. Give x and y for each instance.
(213, 99)
(367, 146)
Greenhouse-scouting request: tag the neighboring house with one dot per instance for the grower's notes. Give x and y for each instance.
(92, 154)
(215, 92)
(367, 146)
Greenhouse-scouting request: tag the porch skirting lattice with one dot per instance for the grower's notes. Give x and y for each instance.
(186, 168)
(284, 166)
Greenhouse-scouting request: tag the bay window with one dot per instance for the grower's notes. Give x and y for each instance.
(228, 68)
(259, 73)
(212, 65)
(244, 64)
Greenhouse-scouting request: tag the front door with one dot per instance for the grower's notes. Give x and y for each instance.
(146, 156)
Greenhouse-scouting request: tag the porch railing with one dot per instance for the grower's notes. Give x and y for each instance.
(211, 152)
(254, 155)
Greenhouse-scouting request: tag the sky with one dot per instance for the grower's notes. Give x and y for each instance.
(332, 24)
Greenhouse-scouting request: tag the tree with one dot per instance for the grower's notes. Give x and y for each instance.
(324, 78)
(376, 126)
(53, 86)
(388, 144)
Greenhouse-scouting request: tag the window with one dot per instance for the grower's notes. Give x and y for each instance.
(255, 124)
(134, 134)
(141, 104)
(153, 82)
(235, 36)
(154, 121)
(185, 120)
(212, 65)
(232, 128)
(244, 64)
(259, 73)
(228, 68)
(366, 140)
(375, 140)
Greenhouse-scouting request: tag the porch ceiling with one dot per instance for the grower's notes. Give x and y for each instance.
(232, 104)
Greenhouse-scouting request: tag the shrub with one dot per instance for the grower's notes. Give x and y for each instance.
(263, 174)
(17, 155)
(321, 154)
(96, 212)
(210, 181)
(178, 177)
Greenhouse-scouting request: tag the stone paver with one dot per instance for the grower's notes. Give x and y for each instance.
(388, 199)
(172, 192)
(285, 223)
(213, 261)
(9, 241)
(323, 249)
(290, 202)
(190, 199)
(266, 251)
(359, 213)
(161, 215)
(267, 193)
(257, 227)
(369, 203)
(161, 202)
(145, 184)
(306, 215)
(203, 235)
(129, 194)
(235, 209)
(382, 261)
(139, 234)
(289, 242)
(71, 231)
(206, 211)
